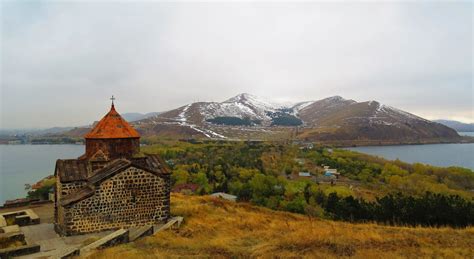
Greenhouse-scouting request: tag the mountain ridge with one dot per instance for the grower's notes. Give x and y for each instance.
(457, 125)
(247, 116)
(332, 120)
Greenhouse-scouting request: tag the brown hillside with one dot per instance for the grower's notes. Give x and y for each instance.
(222, 229)
(371, 121)
(319, 111)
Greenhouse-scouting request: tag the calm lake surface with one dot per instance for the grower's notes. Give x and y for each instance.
(21, 164)
(433, 154)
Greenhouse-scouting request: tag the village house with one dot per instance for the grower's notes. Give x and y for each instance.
(112, 185)
(304, 174)
(331, 172)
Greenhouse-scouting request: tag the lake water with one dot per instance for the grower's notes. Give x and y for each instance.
(433, 154)
(21, 164)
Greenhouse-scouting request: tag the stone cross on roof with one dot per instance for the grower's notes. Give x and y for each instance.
(112, 98)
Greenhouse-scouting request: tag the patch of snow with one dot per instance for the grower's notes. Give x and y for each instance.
(379, 108)
(213, 110)
(183, 121)
(198, 130)
(206, 132)
(241, 106)
(300, 106)
(182, 115)
(334, 98)
(215, 134)
(255, 101)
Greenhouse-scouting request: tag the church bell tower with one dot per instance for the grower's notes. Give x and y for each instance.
(112, 138)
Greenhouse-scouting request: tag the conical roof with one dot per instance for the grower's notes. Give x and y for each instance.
(112, 126)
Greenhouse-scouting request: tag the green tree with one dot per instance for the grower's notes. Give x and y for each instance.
(201, 179)
(297, 204)
(180, 176)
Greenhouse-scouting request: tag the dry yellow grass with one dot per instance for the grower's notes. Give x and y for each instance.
(221, 229)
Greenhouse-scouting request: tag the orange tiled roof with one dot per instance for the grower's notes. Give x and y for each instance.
(112, 126)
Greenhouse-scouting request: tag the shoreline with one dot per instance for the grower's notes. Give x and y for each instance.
(370, 143)
(394, 144)
(335, 143)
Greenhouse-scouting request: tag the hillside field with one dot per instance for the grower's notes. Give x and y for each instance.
(222, 229)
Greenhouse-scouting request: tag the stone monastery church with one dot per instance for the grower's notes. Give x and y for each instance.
(112, 185)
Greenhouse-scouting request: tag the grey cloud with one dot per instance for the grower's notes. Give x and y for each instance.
(65, 59)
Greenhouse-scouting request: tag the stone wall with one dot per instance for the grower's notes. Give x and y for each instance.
(113, 148)
(131, 198)
(63, 189)
(68, 188)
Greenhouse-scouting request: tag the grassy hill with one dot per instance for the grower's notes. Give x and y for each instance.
(222, 229)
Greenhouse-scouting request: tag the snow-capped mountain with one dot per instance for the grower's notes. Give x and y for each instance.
(333, 118)
(336, 108)
(242, 106)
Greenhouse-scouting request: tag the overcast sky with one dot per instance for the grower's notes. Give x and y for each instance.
(61, 61)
